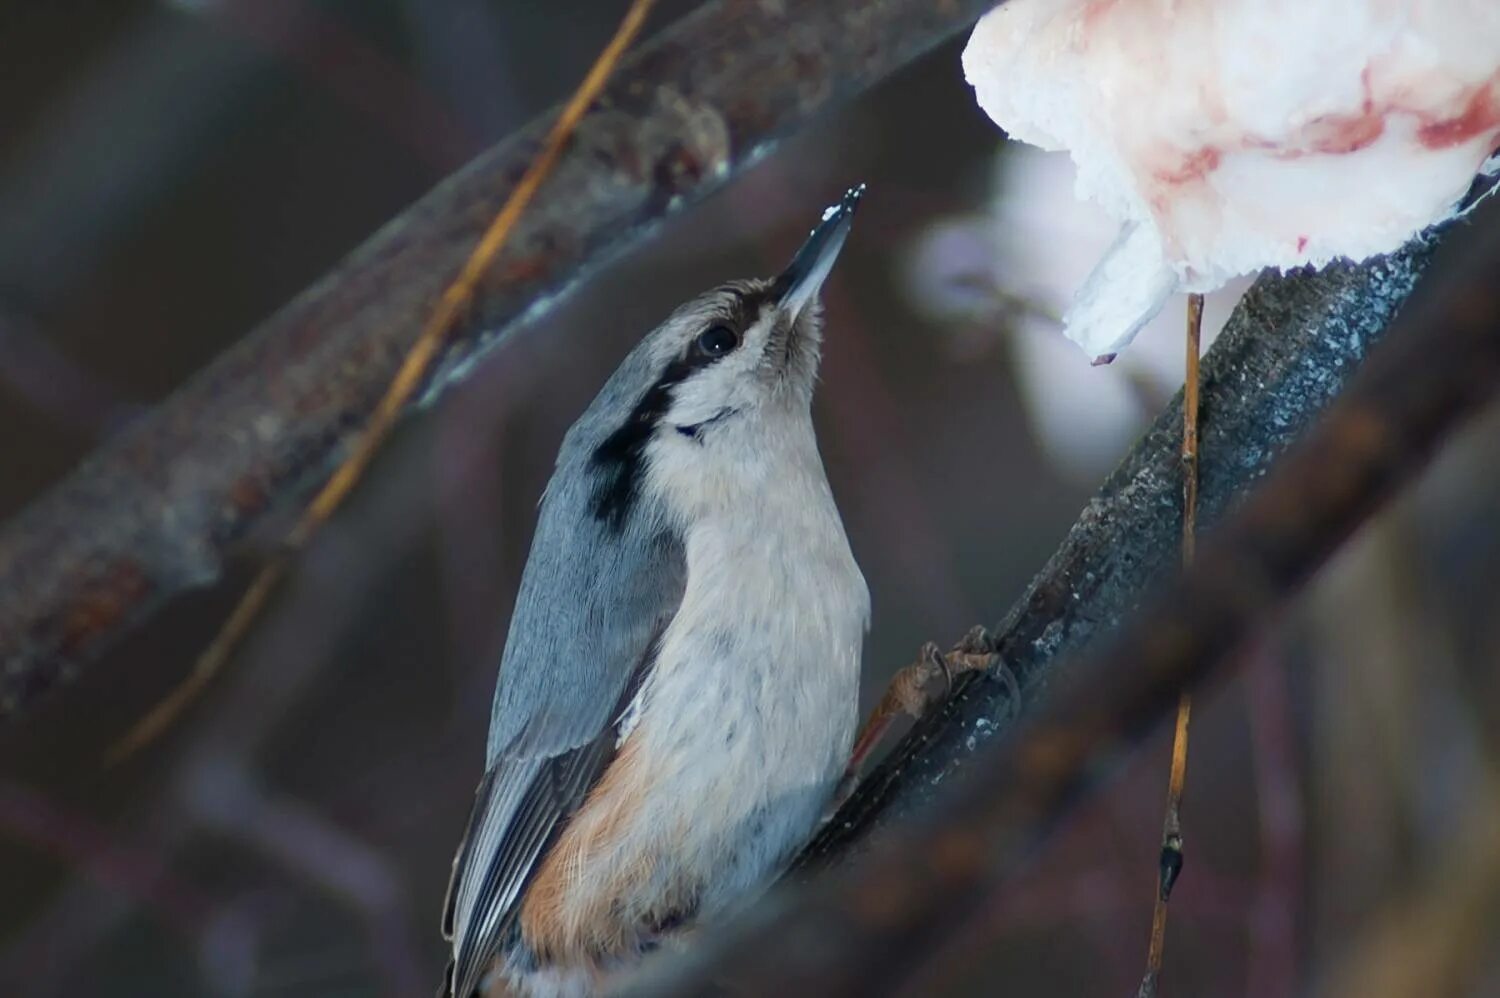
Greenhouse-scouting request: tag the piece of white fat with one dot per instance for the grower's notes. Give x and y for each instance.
(1231, 135)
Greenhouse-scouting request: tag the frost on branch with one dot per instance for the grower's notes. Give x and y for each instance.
(1226, 136)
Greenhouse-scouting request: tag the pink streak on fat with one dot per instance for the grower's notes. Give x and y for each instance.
(1337, 135)
(1480, 114)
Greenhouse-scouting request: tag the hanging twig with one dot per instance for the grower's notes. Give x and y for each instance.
(1169, 865)
(869, 927)
(1190, 389)
(1291, 345)
(157, 509)
(456, 298)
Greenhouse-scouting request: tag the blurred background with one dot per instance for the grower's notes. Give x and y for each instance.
(172, 172)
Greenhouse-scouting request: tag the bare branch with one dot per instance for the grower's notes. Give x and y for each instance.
(437, 330)
(1289, 348)
(867, 928)
(155, 510)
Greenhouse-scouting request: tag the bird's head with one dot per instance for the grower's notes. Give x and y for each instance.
(721, 380)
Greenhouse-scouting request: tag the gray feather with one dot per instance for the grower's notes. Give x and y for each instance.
(580, 640)
(716, 401)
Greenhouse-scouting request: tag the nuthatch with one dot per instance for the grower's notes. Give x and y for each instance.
(678, 692)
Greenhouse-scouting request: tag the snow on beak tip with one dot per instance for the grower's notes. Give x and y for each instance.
(804, 277)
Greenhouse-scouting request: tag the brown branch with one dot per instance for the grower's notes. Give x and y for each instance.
(456, 299)
(870, 927)
(155, 511)
(1169, 865)
(1290, 347)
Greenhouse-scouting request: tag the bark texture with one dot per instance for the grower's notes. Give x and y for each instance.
(157, 508)
(870, 926)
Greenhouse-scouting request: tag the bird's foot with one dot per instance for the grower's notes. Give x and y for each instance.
(919, 687)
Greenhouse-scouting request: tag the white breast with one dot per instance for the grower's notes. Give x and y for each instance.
(749, 714)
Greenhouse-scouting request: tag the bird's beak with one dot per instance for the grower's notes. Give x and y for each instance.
(799, 283)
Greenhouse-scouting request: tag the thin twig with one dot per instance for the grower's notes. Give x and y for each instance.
(161, 506)
(1291, 345)
(1190, 386)
(873, 926)
(409, 377)
(1169, 866)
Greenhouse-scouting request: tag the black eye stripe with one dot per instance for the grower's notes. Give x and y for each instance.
(752, 303)
(619, 461)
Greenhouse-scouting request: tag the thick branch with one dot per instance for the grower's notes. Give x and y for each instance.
(868, 928)
(156, 509)
(1291, 345)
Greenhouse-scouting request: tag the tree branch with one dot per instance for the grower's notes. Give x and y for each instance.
(868, 928)
(1291, 345)
(156, 509)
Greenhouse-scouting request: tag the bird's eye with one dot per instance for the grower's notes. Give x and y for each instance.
(716, 341)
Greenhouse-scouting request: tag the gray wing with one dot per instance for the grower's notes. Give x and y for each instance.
(581, 640)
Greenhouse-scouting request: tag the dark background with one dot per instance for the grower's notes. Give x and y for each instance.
(170, 173)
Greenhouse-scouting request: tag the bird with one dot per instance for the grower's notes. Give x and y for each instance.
(678, 693)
